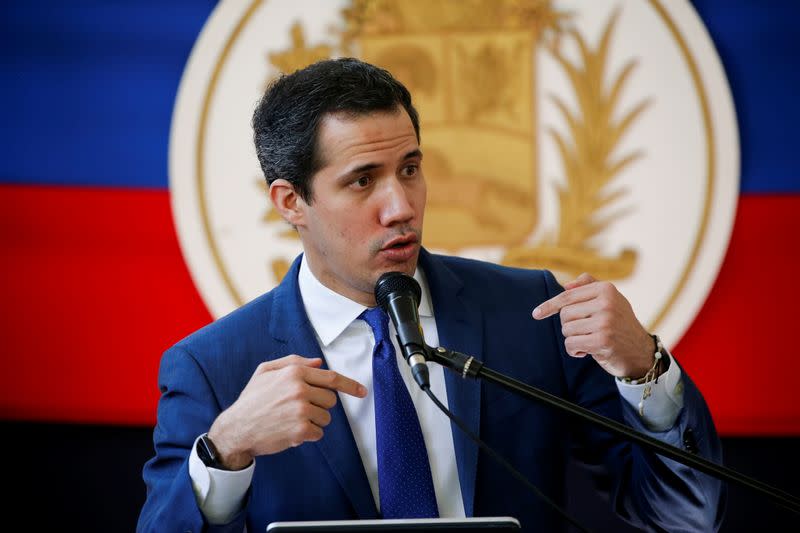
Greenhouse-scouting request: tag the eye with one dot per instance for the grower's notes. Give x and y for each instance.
(362, 182)
(410, 170)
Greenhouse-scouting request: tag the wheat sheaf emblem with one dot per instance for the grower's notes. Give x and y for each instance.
(491, 210)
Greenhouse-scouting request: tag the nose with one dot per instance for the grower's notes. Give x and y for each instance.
(396, 207)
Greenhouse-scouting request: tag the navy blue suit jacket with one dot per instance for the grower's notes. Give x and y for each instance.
(482, 310)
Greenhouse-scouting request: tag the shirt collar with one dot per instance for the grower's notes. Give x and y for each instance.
(330, 313)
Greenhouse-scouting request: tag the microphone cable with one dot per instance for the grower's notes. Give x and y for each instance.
(500, 459)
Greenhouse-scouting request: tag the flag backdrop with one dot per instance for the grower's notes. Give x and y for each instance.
(94, 286)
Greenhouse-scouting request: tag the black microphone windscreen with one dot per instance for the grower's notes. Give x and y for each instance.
(394, 282)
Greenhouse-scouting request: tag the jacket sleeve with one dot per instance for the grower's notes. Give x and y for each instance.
(186, 409)
(644, 488)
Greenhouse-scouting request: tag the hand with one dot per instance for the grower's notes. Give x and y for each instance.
(597, 320)
(284, 404)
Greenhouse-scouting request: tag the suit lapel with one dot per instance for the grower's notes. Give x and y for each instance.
(290, 324)
(460, 326)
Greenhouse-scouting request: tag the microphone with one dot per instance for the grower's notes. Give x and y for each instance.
(399, 295)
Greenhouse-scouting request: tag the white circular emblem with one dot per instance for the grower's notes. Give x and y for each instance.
(568, 135)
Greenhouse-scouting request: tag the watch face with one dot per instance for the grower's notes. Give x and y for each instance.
(204, 451)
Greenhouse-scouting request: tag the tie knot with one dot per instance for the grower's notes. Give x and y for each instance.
(378, 321)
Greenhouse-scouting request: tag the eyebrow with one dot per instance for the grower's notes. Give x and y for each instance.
(372, 166)
(413, 153)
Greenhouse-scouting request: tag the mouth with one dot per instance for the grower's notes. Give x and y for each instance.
(400, 242)
(401, 248)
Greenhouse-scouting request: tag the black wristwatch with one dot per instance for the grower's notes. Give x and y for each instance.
(207, 453)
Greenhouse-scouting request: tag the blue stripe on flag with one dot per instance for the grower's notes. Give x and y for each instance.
(88, 87)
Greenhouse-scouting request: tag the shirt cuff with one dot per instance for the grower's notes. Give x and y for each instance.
(219, 493)
(665, 402)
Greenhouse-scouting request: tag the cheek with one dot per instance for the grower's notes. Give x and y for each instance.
(350, 227)
(421, 198)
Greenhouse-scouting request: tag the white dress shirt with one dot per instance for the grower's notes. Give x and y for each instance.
(347, 345)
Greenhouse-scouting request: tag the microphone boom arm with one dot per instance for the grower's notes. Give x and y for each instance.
(470, 367)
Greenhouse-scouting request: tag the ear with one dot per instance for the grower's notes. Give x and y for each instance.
(289, 205)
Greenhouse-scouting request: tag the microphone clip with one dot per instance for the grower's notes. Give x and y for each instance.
(466, 365)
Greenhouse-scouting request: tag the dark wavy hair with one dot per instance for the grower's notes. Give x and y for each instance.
(286, 121)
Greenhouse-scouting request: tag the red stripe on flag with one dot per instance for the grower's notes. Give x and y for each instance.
(95, 288)
(740, 349)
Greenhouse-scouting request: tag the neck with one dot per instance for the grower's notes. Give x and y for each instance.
(351, 292)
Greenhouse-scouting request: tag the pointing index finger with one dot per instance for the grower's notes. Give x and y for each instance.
(333, 380)
(558, 302)
(549, 307)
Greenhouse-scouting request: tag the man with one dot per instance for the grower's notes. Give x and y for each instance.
(278, 411)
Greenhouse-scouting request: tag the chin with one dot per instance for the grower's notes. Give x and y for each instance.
(408, 267)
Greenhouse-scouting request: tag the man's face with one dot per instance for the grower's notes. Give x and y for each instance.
(368, 203)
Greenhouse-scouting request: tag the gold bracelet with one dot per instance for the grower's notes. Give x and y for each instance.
(650, 376)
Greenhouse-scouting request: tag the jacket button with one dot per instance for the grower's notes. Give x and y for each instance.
(689, 441)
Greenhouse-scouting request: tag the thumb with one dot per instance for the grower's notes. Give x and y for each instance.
(289, 360)
(580, 281)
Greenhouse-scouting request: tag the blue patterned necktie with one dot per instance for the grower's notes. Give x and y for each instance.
(405, 483)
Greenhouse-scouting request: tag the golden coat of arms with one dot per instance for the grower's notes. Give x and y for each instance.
(470, 66)
(559, 134)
